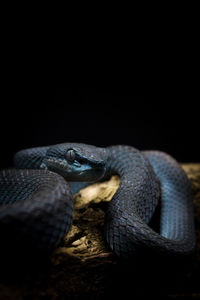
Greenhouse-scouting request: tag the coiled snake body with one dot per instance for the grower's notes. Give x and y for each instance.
(36, 200)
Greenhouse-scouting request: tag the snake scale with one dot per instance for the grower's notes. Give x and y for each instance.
(36, 204)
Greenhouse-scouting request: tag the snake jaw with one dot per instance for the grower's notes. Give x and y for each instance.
(75, 171)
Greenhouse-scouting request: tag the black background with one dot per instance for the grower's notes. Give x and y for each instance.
(38, 116)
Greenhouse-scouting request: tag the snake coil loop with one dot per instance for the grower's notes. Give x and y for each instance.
(36, 205)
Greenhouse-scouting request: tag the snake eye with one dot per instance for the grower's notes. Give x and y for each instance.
(70, 155)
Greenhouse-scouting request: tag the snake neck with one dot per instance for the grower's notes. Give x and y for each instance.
(138, 182)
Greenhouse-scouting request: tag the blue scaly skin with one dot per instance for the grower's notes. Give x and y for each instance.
(36, 200)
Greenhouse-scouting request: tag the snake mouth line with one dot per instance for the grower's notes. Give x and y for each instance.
(77, 172)
(57, 163)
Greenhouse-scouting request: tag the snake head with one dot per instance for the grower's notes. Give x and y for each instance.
(76, 162)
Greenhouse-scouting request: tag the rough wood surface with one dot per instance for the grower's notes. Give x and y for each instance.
(83, 265)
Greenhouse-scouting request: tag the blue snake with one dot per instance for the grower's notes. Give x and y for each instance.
(36, 205)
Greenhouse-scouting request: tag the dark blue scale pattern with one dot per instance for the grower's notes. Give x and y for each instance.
(36, 205)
